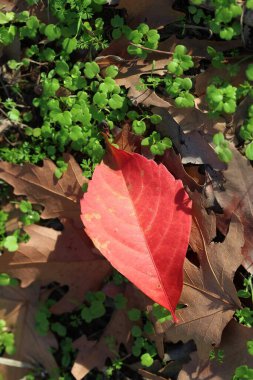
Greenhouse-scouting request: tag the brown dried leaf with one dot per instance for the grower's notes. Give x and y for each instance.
(116, 53)
(236, 196)
(59, 197)
(8, 5)
(18, 308)
(193, 119)
(127, 140)
(155, 13)
(130, 74)
(173, 163)
(151, 376)
(197, 47)
(147, 98)
(234, 344)
(192, 146)
(209, 294)
(94, 354)
(204, 78)
(203, 225)
(68, 258)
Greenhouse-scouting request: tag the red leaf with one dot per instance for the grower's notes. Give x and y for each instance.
(139, 217)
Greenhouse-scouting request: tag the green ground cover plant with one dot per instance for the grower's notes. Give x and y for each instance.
(172, 82)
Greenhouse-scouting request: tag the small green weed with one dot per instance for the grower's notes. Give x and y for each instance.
(28, 216)
(7, 340)
(244, 372)
(222, 147)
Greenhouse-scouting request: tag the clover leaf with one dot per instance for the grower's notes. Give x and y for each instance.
(52, 32)
(155, 119)
(147, 360)
(69, 45)
(249, 151)
(134, 314)
(136, 331)
(91, 69)
(111, 71)
(11, 243)
(249, 72)
(100, 99)
(139, 127)
(116, 101)
(61, 68)
(222, 148)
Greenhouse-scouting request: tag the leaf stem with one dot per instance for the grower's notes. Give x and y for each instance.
(162, 51)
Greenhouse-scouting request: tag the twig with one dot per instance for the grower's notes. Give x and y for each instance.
(189, 26)
(15, 363)
(4, 113)
(38, 63)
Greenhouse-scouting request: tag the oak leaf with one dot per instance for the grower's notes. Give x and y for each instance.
(203, 229)
(59, 197)
(155, 14)
(18, 308)
(130, 77)
(132, 71)
(192, 146)
(139, 217)
(234, 345)
(204, 78)
(68, 258)
(235, 195)
(198, 47)
(209, 294)
(126, 140)
(173, 163)
(94, 354)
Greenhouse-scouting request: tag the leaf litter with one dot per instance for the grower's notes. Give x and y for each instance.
(70, 258)
(18, 308)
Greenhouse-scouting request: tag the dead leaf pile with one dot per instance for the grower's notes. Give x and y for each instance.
(205, 208)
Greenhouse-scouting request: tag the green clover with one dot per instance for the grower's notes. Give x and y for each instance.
(91, 69)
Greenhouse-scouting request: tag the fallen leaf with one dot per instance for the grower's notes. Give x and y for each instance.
(204, 78)
(193, 120)
(194, 171)
(151, 376)
(198, 47)
(235, 195)
(59, 197)
(234, 344)
(147, 98)
(203, 229)
(117, 48)
(139, 217)
(94, 354)
(241, 113)
(209, 294)
(18, 308)
(130, 74)
(127, 140)
(155, 14)
(192, 146)
(173, 163)
(8, 5)
(68, 258)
